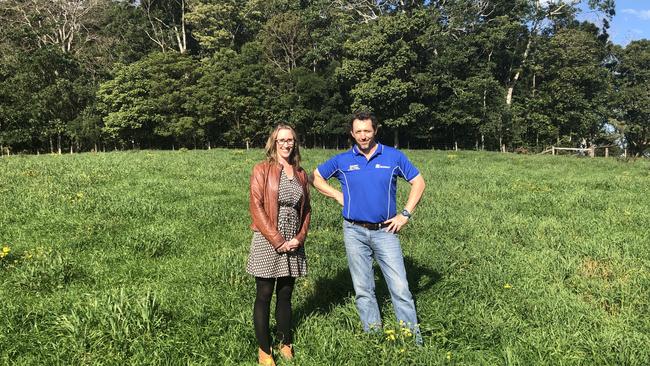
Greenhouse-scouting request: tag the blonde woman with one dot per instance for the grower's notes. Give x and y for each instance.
(280, 209)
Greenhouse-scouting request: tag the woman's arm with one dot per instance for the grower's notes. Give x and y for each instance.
(256, 207)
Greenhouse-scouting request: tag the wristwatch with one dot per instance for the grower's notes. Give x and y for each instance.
(406, 213)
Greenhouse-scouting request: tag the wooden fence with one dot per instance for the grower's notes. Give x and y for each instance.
(591, 151)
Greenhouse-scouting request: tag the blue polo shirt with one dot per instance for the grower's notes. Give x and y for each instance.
(369, 185)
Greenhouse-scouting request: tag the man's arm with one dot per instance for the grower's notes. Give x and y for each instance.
(417, 188)
(323, 187)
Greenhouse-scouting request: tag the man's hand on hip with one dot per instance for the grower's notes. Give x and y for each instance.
(395, 224)
(339, 198)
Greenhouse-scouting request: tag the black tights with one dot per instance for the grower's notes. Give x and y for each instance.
(262, 310)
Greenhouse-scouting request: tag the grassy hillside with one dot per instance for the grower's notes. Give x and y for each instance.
(138, 258)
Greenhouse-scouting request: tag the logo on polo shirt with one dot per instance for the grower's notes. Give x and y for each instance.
(354, 167)
(379, 166)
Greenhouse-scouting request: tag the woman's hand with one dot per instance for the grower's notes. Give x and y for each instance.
(289, 246)
(293, 244)
(283, 248)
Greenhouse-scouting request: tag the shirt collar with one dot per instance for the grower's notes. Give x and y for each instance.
(380, 149)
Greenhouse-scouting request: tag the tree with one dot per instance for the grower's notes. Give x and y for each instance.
(229, 23)
(145, 101)
(168, 26)
(62, 23)
(574, 83)
(230, 97)
(543, 17)
(39, 96)
(380, 65)
(285, 40)
(633, 98)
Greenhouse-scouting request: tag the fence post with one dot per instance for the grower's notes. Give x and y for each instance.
(553, 150)
(592, 151)
(607, 152)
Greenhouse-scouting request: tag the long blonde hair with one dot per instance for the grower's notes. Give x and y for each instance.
(271, 147)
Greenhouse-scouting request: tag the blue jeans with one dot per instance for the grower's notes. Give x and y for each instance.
(361, 245)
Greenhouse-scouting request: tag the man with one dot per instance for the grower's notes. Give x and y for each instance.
(368, 175)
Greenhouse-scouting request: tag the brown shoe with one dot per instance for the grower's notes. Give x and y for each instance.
(286, 350)
(265, 359)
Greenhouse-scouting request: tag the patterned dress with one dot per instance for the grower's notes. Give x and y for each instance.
(263, 260)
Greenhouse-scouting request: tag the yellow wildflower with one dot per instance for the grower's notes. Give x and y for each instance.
(391, 337)
(389, 331)
(406, 332)
(448, 356)
(5, 251)
(507, 286)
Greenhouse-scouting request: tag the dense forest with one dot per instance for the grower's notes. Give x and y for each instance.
(82, 75)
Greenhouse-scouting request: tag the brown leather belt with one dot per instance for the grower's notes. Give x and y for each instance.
(368, 225)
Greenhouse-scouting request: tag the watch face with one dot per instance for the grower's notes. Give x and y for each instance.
(406, 213)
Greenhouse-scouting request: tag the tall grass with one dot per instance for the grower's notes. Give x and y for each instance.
(138, 258)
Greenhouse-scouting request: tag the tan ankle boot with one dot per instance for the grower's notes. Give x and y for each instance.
(286, 350)
(265, 359)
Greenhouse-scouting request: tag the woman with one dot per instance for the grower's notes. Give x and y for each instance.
(279, 206)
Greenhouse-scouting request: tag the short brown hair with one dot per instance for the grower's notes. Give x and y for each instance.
(271, 147)
(363, 116)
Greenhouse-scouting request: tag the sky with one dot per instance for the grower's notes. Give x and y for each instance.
(631, 22)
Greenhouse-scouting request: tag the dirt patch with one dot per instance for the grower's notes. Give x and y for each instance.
(592, 268)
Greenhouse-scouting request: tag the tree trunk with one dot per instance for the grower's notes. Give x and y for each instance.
(181, 35)
(511, 88)
(396, 138)
(58, 143)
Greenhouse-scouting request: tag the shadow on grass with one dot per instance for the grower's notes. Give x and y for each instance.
(333, 291)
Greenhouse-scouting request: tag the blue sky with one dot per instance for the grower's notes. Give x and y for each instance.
(631, 22)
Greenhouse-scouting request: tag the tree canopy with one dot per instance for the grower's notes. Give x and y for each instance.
(203, 73)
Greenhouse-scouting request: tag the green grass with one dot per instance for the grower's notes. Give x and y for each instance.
(138, 258)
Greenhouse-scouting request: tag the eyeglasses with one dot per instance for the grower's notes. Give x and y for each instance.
(288, 142)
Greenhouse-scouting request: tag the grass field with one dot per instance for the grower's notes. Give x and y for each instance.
(138, 258)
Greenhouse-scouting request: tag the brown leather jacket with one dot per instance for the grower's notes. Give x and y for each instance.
(263, 203)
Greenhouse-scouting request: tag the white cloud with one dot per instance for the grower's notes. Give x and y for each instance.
(643, 14)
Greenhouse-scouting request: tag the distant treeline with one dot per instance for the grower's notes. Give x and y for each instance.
(104, 74)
